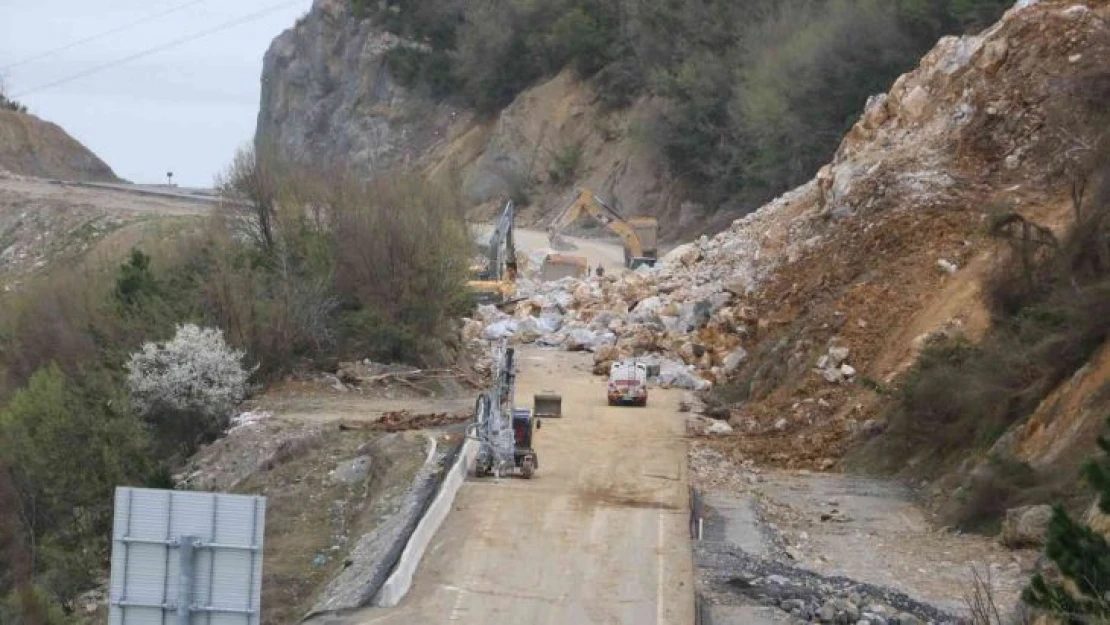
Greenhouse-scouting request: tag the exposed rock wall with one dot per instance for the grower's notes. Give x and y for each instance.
(328, 98)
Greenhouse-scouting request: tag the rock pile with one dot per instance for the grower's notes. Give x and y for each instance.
(733, 576)
(685, 315)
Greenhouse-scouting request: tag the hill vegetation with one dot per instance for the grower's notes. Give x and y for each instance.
(758, 93)
(7, 103)
(301, 270)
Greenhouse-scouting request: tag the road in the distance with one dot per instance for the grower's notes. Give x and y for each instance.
(600, 535)
(606, 252)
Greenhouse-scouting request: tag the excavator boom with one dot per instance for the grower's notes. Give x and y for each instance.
(497, 283)
(633, 233)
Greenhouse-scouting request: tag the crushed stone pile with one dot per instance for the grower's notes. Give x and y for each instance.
(819, 297)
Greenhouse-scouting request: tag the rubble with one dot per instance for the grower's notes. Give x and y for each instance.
(1026, 526)
(811, 293)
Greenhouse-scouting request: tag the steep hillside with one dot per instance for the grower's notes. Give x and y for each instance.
(30, 146)
(807, 315)
(329, 98)
(46, 226)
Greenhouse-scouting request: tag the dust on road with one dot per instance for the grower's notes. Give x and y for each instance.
(599, 536)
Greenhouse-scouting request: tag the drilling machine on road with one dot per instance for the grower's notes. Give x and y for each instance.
(504, 433)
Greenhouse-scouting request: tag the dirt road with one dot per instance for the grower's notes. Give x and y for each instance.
(599, 536)
(114, 199)
(606, 252)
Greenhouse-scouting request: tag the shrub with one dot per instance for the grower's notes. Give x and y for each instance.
(8, 103)
(565, 161)
(187, 387)
(1081, 556)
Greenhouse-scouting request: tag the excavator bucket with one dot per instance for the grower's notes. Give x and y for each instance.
(548, 404)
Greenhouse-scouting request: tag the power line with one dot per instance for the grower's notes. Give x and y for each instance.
(166, 46)
(79, 42)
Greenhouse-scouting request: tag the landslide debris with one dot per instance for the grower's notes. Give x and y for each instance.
(801, 309)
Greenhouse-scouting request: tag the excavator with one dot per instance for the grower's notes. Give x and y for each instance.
(638, 235)
(495, 281)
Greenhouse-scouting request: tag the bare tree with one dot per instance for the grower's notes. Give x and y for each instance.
(251, 186)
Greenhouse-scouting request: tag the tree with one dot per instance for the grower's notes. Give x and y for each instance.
(187, 388)
(68, 443)
(135, 281)
(8, 103)
(1082, 556)
(253, 178)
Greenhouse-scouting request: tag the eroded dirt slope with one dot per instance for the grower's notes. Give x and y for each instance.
(43, 223)
(30, 146)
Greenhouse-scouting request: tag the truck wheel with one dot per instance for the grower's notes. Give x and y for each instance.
(528, 467)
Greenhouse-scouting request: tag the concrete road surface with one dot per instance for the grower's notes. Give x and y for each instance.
(600, 535)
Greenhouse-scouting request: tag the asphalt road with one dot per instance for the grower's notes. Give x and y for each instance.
(600, 535)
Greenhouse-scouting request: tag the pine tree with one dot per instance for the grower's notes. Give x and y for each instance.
(1082, 556)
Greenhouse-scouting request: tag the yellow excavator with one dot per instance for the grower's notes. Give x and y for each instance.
(639, 235)
(495, 281)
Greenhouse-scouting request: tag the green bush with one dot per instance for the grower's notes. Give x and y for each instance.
(69, 443)
(565, 161)
(1079, 592)
(33, 606)
(9, 104)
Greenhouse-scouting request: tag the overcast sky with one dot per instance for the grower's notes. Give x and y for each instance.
(185, 109)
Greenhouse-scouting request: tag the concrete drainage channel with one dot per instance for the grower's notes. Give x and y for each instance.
(400, 580)
(383, 563)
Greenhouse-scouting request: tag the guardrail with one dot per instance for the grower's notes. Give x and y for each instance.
(399, 581)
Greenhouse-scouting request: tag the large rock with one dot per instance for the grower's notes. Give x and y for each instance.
(500, 330)
(353, 471)
(733, 361)
(604, 357)
(1026, 526)
(329, 99)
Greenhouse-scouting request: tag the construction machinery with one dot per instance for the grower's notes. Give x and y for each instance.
(628, 383)
(547, 404)
(559, 266)
(494, 282)
(639, 235)
(504, 433)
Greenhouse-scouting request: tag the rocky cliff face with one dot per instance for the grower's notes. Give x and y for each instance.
(329, 100)
(30, 146)
(328, 97)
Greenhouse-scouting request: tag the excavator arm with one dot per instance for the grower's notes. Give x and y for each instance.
(589, 204)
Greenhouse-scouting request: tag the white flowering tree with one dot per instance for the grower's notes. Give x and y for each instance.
(187, 387)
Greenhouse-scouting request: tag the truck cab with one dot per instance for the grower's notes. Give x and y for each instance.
(628, 384)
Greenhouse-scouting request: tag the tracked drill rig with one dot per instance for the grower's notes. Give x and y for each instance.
(504, 433)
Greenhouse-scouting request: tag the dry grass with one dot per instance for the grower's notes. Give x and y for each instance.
(313, 521)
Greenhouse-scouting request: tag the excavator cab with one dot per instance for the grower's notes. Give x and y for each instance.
(524, 427)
